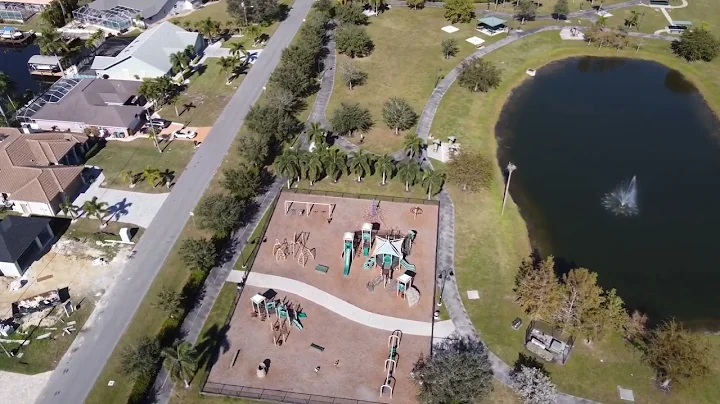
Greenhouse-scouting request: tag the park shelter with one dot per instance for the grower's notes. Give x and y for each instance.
(388, 253)
(548, 342)
(659, 2)
(492, 26)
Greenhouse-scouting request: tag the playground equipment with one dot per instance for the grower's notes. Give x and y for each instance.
(280, 332)
(367, 238)
(390, 252)
(259, 302)
(308, 208)
(391, 362)
(299, 249)
(374, 214)
(404, 282)
(416, 211)
(281, 250)
(409, 240)
(348, 251)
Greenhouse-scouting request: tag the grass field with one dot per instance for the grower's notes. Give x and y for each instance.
(43, 355)
(137, 155)
(406, 63)
(547, 6)
(205, 98)
(490, 248)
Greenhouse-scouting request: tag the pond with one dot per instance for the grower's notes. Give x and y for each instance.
(583, 126)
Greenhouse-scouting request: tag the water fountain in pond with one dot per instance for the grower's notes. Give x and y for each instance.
(623, 199)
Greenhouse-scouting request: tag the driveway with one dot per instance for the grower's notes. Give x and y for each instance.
(124, 205)
(22, 389)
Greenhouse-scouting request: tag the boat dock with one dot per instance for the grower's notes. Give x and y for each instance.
(20, 42)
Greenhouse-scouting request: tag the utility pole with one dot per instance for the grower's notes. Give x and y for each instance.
(510, 168)
(244, 12)
(639, 45)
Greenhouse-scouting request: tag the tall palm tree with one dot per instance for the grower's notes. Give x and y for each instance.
(206, 27)
(68, 209)
(227, 65)
(180, 361)
(190, 51)
(413, 145)
(335, 161)
(303, 158)
(252, 32)
(432, 181)
(287, 165)
(316, 134)
(386, 165)
(95, 39)
(314, 167)
(409, 171)
(95, 208)
(237, 49)
(360, 163)
(152, 175)
(129, 178)
(52, 43)
(179, 61)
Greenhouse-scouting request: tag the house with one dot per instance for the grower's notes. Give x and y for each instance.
(39, 171)
(119, 15)
(21, 241)
(148, 56)
(76, 105)
(21, 10)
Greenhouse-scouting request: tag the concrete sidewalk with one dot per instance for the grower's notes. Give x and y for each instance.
(442, 328)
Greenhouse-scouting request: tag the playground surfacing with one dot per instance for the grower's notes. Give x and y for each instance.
(361, 352)
(326, 239)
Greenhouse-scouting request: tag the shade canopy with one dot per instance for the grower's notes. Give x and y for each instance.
(492, 21)
(388, 247)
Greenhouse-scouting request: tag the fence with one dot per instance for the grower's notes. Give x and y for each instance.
(257, 241)
(274, 395)
(353, 195)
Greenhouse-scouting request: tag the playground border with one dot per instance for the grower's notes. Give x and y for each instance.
(353, 195)
(276, 396)
(255, 242)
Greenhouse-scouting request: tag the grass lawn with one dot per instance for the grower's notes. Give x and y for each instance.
(205, 98)
(405, 64)
(36, 23)
(546, 7)
(137, 155)
(489, 248)
(218, 11)
(43, 355)
(652, 21)
(370, 186)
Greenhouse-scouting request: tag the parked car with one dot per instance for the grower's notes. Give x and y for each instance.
(184, 134)
(158, 123)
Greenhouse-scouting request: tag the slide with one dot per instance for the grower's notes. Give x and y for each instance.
(408, 266)
(348, 259)
(366, 251)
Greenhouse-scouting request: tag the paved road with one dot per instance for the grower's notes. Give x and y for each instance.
(77, 372)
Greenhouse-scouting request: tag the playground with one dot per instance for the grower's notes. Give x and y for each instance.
(330, 356)
(378, 256)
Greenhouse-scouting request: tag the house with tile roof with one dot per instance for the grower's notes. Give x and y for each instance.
(40, 171)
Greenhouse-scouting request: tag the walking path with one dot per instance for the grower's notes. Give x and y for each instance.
(442, 329)
(76, 373)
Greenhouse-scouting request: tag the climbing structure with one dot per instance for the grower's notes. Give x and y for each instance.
(280, 331)
(281, 250)
(300, 250)
(374, 214)
(391, 362)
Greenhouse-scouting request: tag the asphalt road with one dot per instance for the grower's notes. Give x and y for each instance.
(77, 372)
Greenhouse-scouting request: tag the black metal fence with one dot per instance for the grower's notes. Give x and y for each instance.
(371, 197)
(277, 396)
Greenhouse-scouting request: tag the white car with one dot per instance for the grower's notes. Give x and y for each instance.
(184, 134)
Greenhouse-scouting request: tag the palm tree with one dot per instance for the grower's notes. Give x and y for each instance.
(303, 160)
(335, 161)
(68, 209)
(386, 165)
(409, 171)
(227, 65)
(316, 134)
(129, 178)
(206, 27)
(314, 165)
(237, 49)
(253, 32)
(52, 43)
(190, 51)
(180, 361)
(179, 61)
(287, 165)
(413, 145)
(601, 21)
(360, 163)
(432, 180)
(95, 208)
(95, 39)
(376, 4)
(151, 175)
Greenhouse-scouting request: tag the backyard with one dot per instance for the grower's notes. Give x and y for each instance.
(116, 157)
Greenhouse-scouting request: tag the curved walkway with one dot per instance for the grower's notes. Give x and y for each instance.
(442, 329)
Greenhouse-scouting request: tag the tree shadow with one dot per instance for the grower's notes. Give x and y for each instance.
(529, 361)
(212, 344)
(119, 209)
(200, 70)
(186, 107)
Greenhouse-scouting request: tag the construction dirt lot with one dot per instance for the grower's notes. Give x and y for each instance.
(359, 351)
(67, 264)
(326, 239)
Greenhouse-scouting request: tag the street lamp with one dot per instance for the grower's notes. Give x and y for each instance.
(510, 168)
(242, 4)
(443, 275)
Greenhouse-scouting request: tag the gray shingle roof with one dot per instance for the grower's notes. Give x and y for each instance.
(17, 233)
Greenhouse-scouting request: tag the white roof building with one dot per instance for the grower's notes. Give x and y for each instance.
(388, 247)
(148, 56)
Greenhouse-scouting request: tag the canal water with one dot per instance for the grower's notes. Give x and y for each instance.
(13, 61)
(579, 129)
